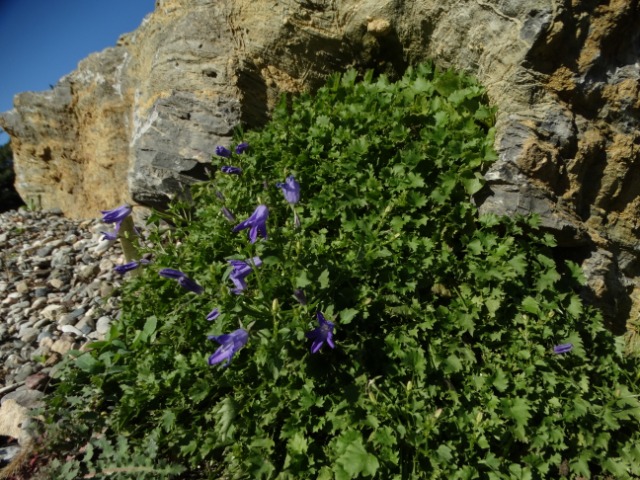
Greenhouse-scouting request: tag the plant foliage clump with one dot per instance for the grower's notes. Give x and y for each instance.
(445, 322)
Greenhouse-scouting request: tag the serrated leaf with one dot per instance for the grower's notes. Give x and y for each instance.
(530, 304)
(323, 279)
(354, 459)
(347, 315)
(149, 329)
(302, 280)
(87, 363)
(297, 444)
(517, 409)
(575, 306)
(224, 414)
(168, 420)
(500, 380)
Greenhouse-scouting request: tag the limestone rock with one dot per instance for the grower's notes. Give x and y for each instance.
(139, 122)
(13, 421)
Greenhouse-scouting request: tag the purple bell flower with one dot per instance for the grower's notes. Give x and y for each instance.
(242, 147)
(257, 223)
(231, 170)
(290, 189)
(215, 313)
(223, 152)
(240, 271)
(184, 281)
(117, 215)
(127, 267)
(230, 343)
(322, 334)
(300, 296)
(563, 348)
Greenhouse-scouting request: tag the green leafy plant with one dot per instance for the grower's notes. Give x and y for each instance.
(444, 322)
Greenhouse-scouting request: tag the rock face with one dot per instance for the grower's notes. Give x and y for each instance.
(140, 121)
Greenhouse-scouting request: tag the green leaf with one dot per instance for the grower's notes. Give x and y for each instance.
(87, 363)
(500, 380)
(530, 304)
(517, 409)
(347, 315)
(302, 280)
(354, 459)
(323, 279)
(297, 444)
(148, 329)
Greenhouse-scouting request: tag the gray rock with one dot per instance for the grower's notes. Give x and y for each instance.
(26, 398)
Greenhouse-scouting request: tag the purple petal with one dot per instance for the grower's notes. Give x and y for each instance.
(316, 346)
(300, 296)
(241, 148)
(225, 352)
(127, 267)
(171, 273)
(110, 235)
(228, 215)
(116, 215)
(231, 170)
(290, 189)
(213, 314)
(563, 348)
(188, 284)
(222, 151)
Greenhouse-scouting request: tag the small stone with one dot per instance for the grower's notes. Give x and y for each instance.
(52, 312)
(85, 325)
(40, 292)
(45, 336)
(72, 329)
(103, 325)
(22, 287)
(106, 265)
(28, 334)
(106, 289)
(56, 283)
(24, 397)
(62, 345)
(77, 313)
(22, 373)
(39, 302)
(87, 272)
(36, 381)
(44, 251)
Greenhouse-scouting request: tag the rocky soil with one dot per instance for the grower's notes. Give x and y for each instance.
(58, 291)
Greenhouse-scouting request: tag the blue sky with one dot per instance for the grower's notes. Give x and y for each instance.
(43, 40)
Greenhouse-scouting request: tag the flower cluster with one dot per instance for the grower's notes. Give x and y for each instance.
(256, 224)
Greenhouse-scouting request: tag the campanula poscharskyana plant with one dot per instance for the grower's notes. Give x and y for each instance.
(240, 271)
(184, 281)
(230, 343)
(321, 334)
(257, 223)
(448, 317)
